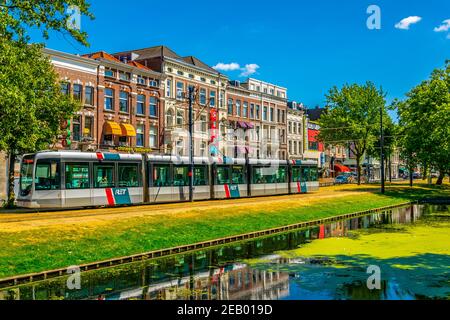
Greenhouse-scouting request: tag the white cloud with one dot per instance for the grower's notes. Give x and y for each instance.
(246, 71)
(227, 66)
(406, 22)
(249, 69)
(445, 26)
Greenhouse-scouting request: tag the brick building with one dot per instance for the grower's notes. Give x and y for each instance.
(180, 73)
(121, 102)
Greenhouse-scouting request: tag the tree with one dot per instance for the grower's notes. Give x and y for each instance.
(352, 118)
(32, 106)
(47, 15)
(424, 119)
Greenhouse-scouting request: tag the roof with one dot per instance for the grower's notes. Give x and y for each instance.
(138, 65)
(166, 52)
(101, 54)
(314, 114)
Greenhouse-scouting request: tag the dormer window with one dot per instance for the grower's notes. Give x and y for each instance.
(110, 73)
(125, 76)
(141, 80)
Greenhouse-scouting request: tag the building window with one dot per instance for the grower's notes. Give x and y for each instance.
(153, 83)
(169, 119)
(88, 127)
(245, 109)
(141, 80)
(257, 111)
(109, 73)
(140, 135)
(202, 96)
(153, 112)
(153, 134)
(221, 99)
(77, 91)
(65, 88)
(252, 110)
(265, 114)
(125, 76)
(230, 106)
(180, 147)
(180, 89)
(212, 98)
(109, 99)
(271, 114)
(282, 116)
(140, 104)
(77, 128)
(278, 115)
(180, 118)
(204, 123)
(203, 146)
(123, 101)
(89, 96)
(238, 108)
(180, 73)
(191, 76)
(168, 88)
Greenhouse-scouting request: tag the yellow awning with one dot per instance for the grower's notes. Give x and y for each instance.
(128, 130)
(113, 128)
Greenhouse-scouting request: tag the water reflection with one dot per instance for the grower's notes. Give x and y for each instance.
(221, 273)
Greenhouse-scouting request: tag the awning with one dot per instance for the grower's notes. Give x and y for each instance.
(250, 125)
(113, 128)
(341, 168)
(127, 130)
(242, 124)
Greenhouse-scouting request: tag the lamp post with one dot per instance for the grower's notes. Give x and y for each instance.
(382, 146)
(191, 145)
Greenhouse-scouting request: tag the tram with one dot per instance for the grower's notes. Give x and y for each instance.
(73, 179)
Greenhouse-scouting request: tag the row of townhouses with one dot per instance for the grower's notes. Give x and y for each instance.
(136, 101)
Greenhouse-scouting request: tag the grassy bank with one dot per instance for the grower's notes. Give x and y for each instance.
(48, 243)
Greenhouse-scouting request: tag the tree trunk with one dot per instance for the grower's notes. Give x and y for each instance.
(390, 168)
(11, 194)
(358, 169)
(440, 178)
(424, 172)
(410, 177)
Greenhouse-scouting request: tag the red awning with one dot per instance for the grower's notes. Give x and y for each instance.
(242, 124)
(341, 168)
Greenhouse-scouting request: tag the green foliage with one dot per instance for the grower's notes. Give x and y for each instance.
(31, 103)
(424, 119)
(352, 119)
(47, 15)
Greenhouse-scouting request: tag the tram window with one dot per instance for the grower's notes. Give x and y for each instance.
(295, 174)
(47, 175)
(263, 175)
(314, 174)
(200, 176)
(77, 176)
(161, 175)
(281, 175)
(104, 176)
(223, 175)
(128, 175)
(26, 175)
(180, 176)
(237, 175)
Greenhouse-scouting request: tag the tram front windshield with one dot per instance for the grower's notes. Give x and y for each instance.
(26, 175)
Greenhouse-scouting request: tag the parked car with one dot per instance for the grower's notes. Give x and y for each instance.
(341, 179)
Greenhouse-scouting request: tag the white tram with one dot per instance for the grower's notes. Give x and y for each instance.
(70, 179)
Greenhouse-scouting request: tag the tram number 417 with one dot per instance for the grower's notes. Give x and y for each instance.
(120, 192)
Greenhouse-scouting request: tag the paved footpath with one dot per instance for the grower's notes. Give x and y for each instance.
(14, 222)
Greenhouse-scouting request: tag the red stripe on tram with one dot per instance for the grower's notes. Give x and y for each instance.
(299, 189)
(109, 196)
(100, 156)
(227, 191)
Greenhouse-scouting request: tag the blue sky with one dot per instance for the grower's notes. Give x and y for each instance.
(306, 46)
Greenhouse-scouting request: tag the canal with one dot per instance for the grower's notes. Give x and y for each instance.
(408, 247)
